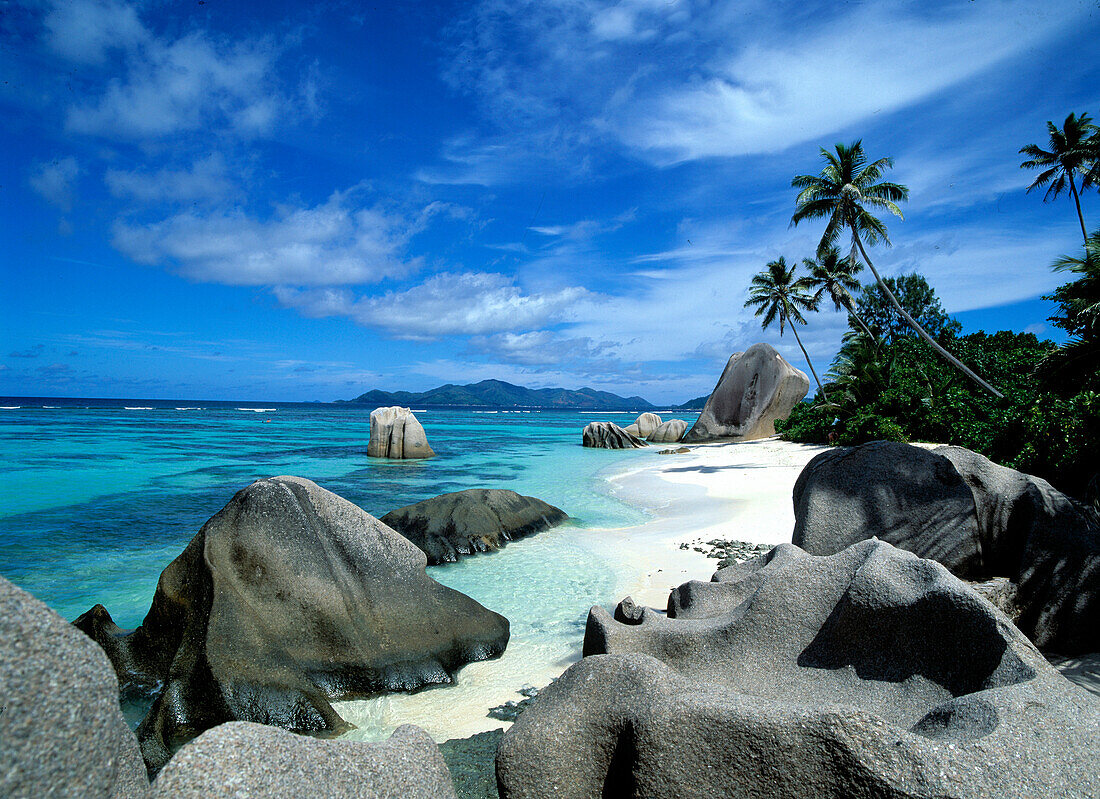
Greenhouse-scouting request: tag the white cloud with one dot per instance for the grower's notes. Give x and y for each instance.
(166, 85)
(875, 59)
(86, 31)
(337, 242)
(723, 79)
(207, 179)
(446, 304)
(54, 181)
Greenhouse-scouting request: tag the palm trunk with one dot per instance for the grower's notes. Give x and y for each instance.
(860, 322)
(1080, 216)
(920, 330)
(820, 387)
(851, 306)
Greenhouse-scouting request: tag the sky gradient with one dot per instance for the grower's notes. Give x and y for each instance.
(293, 201)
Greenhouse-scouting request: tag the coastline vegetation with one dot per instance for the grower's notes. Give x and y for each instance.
(899, 373)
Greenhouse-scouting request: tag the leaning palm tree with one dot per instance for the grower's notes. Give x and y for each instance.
(777, 294)
(833, 276)
(1072, 152)
(846, 187)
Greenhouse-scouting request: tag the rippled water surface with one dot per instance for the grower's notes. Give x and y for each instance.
(101, 495)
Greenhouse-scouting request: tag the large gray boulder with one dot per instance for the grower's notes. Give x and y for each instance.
(396, 433)
(756, 388)
(62, 733)
(647, 423)
(909, 496)
(608, 435)
(977, 518)
(1048, 545)
(668, 432)
(476, 520)
(868, 673)
(253, 760)
(287, 599)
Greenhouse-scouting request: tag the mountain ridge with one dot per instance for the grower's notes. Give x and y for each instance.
(497, 393)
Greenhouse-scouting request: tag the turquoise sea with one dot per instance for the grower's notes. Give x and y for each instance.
(102, 494)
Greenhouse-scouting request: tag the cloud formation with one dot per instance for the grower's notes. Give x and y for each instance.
(446, 304)
(206, 180)
(716, 79)
(168, 84)
(340, 241)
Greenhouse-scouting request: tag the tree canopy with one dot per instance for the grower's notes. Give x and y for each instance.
(917, 298)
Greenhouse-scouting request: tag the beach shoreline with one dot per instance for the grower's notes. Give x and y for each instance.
(724, 490)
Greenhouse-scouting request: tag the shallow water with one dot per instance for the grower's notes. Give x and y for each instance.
(102, 495)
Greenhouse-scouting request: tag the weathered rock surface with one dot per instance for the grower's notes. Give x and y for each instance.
(633, 429)
(476, 520)
(289, 598)
(608, 435)
(909, 496)
(396, 433)
(868, 673)
(668, 432)
(241, 759)
(61, 731)
(756, 388)
(979, 519)
(1048, 545)
(647, 423)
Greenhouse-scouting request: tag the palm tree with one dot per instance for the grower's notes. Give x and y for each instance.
(1076, 363)
(846, 185)
(1072, 152)
(776, 293)
(835, 277)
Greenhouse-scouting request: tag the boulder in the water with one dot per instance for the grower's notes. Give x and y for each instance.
(396, 433)
(243, 759)
(608, 435)
(287, 599)
(756, 388)
(475, 520)
(647, 423)
(668, 432)
(61, 731)
(867, 673)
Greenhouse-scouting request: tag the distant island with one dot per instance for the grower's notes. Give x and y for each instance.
(498, 394)
(696, 404)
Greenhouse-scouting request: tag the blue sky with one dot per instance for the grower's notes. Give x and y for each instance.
(295, 201)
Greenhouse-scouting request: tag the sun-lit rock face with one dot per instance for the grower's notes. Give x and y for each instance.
(870, 672)
(756, 388)
(286, 600)
(396, 433)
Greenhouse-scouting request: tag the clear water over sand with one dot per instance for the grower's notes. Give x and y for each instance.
(100, 499)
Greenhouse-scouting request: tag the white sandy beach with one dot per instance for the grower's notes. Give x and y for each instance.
(724, 490)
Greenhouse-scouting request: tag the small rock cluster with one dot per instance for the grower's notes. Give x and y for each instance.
(510, 710)
(729, 552)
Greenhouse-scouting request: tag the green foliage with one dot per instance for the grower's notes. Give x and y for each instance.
(844, 191)
(919, 301)
(900, 391)
(1076, 364)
